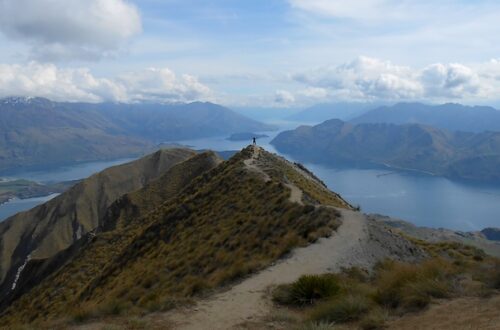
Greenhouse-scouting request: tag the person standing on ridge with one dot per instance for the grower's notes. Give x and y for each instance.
(254, 141)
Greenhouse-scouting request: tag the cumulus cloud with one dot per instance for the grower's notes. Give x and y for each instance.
(47, 80)
(373, 79)
(67, 29)
(451, 80)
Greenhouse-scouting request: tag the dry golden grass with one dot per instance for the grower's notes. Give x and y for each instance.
(225, 224)
(397, 289)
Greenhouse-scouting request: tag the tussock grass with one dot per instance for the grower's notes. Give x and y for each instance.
(307, 290)
(395, 288)
(349, 307)
(225, 224)
(375, 319)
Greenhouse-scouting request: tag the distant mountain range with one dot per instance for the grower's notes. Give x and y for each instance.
(36, 132)
(321, 112)
(473, 156)
(450, 116)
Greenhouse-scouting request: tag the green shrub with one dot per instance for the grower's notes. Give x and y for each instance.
(307, 290)
(342, 309)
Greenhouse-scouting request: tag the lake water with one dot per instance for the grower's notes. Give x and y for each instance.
(421, 199)
(65, 173)
(424, 200)
(17, 205)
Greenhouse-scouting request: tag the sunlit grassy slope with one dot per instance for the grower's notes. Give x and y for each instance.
(187, 233)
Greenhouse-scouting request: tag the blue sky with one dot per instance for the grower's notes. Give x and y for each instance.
(282, 53)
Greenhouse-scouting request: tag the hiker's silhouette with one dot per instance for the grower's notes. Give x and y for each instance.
(254, 141)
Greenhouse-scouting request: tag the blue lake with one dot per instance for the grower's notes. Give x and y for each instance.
(64, 173)
(421, 199)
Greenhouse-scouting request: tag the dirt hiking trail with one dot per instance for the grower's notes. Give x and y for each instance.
(357, 242)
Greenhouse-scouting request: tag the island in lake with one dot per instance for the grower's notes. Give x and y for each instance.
(22, 189)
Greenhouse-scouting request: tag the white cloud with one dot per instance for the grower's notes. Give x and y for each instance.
(373, 79)
(162, 84)
(47, 80)
(451, 80)
(284, 97)
(314, 93)
(67, 29)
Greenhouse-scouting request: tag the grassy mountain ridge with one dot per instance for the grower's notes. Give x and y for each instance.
(225, 223)
(473, 156)
(53, 226)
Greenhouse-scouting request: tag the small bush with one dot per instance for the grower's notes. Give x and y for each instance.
(343, 309)
(413, 286)
(374, 320)
(307, 290)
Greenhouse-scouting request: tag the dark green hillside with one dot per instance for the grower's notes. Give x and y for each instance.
(224, 224)
(473, 156)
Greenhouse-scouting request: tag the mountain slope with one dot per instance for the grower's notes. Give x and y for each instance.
(53, 226)
(321, 112)
(357, 242)
(36, 132)
(416, 147)
(450, 116)
(160, 122)
(229, 221)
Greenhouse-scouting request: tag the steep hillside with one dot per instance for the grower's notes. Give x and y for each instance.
(450, 116)
(237, 217)
(412, 146)
(36, 132)
(53, 226)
